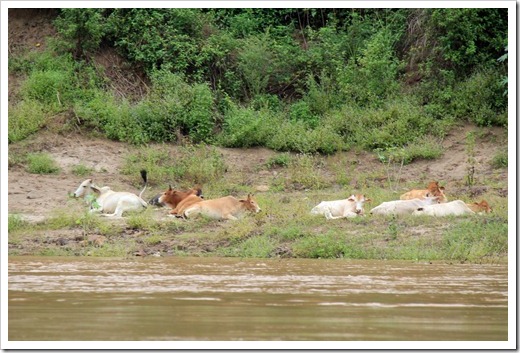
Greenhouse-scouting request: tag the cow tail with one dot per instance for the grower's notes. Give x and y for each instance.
(144, 175)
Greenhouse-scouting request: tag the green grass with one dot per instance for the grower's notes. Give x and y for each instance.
(25, 118)
(500, 159)
(81, 170)
(192, 165)
(41, 163)
(284, 228)
(15, 222)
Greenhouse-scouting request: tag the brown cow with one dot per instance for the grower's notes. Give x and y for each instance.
(173, 197)
(433, 189)
(481, 207)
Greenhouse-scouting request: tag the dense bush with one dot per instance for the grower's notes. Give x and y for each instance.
(303, 80)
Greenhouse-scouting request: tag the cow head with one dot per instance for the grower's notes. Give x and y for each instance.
(359, 200)
(250, 204)
(483, 206)
(86, 188)
(435, 190)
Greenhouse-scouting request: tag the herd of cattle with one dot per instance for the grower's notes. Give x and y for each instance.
(188, 204)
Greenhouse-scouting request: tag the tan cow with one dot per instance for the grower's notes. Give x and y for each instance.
(433, 189)
(481, 207)
(184, 204)
(223, 208)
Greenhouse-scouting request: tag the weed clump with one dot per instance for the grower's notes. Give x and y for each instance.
(41, 163)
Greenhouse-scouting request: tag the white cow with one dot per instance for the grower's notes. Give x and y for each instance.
(348, 208)
(114, 203)
(398, 207)
(453, 208)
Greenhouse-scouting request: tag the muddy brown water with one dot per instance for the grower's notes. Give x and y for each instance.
(224, 299)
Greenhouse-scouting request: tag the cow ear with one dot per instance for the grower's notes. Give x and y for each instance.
(351, 199)
(441, 188)
(170, 187)
(95, 188)
(368, 200)
(420, 209)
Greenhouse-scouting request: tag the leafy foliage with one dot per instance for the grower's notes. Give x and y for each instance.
(299, 80)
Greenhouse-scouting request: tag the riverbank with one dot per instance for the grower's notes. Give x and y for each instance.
(44, 220)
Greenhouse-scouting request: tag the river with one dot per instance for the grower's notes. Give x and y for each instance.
(227, 299)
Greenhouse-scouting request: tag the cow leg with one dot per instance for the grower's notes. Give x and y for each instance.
(328, 215)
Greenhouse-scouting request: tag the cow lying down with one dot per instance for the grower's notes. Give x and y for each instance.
(400, 207)
(453, 208)
(184, 204)
(172, 198)
(223, 208)
(480, 207)
(111, 203)
(433, 189)
(348, 208)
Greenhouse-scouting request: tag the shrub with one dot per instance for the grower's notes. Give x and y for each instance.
(294, 136)
(81, 30)
(47, 87)
(395, 124)
(255, 63)
(41, 163)
(480, 99)
(246, 127)
(300, 111)
(371, 78)
(426, 147)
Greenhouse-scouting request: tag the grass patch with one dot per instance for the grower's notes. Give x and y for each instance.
(15, 222)
(197, 164)
(25, 118)
(428, 147)
(500, 159)
(81, 170)
(476, 240)
(41, 163)
(280, 160)
(304, 172)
